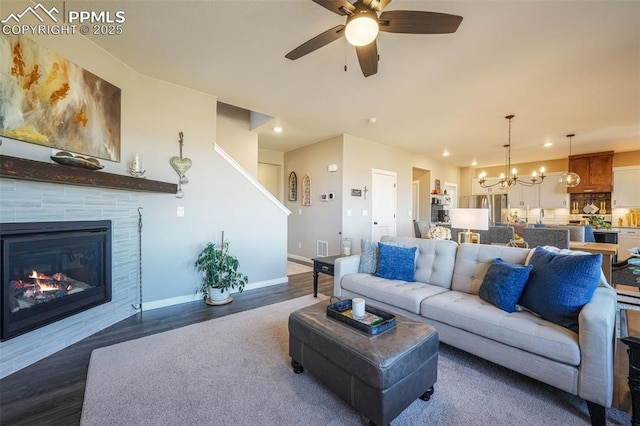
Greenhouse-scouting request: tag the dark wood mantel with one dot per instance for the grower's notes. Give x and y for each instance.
(39, 171)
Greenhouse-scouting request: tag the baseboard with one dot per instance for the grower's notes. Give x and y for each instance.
(300, 258)
(163, 303)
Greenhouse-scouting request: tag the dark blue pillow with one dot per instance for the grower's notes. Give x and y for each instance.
(560, 285)
(396, 263)
(503, 284)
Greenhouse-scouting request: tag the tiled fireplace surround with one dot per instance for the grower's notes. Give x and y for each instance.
(25, 201)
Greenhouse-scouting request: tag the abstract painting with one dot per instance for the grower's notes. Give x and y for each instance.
(49, 101)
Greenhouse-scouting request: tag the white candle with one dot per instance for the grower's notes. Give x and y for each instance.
(136, 162)
(357, 307)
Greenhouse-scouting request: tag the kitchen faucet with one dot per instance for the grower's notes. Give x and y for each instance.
(541, 215)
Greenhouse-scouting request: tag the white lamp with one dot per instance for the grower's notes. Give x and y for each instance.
(362, 26)
(470, 219)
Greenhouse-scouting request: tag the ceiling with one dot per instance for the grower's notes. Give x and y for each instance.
(560, 66)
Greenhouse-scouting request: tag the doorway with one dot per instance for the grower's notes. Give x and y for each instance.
(269, 177)
(421, 199)
(383, 203)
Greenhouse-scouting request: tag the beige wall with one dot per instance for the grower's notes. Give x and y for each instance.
(360, 157)
(236, 138)
(623, 159)
(268, 158)
(620, 159)
(321, 220)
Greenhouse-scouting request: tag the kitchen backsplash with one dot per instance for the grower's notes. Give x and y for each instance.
(564, 216)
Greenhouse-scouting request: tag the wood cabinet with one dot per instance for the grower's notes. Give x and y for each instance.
(552, 194)
(595, 171)
(625, 187)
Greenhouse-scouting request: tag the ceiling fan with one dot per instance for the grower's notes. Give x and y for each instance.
(363, 24)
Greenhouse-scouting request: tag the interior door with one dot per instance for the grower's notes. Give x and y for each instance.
(383, 204)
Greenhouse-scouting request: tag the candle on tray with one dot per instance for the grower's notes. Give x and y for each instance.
(357, 307)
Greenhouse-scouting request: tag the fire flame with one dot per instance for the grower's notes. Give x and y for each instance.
(45, 286)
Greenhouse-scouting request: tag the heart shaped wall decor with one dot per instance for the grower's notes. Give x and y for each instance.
(180, 165)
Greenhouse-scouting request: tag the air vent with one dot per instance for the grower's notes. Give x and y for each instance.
(322, 248)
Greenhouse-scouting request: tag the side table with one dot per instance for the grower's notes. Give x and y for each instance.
(324, 265)
(631, 337)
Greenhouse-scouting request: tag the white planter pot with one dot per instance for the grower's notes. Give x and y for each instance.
(218, 297)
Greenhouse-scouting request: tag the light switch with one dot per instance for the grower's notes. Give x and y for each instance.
(365, 212)
(348, 212)
(180, 211)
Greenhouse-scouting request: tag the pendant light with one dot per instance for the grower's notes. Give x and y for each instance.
(569, 179)
(506, 180)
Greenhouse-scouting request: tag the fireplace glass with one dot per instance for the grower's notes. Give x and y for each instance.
(52, 270)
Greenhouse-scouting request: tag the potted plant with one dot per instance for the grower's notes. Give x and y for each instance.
(219, 273)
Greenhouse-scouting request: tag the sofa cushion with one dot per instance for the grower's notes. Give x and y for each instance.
(396, 263)
(368, 257)
(473, 261)
(435, 258)
(560, 285)
(503, 284)
(521, 330)
(400, 294)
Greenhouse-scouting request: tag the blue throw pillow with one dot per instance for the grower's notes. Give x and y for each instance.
(560, 285)
(368, 257)
(503, 284)
(396, 263)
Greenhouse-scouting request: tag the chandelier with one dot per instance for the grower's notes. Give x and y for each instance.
(570, 179)
(506, 180)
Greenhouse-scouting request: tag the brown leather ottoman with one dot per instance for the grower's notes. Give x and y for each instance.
(379, 375)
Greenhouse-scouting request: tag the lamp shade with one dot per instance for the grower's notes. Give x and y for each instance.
(470, 219)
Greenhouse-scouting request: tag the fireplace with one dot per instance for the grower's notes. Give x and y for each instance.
(52, 270)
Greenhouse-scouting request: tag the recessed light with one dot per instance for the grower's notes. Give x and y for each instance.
(548, 144)
(474, 163)
(445, 154)
(372, 120)
(277, 129)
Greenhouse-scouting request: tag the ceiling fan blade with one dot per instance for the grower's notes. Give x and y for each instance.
(418, 22)
(336, 6)
(316, 43)
(377, 5)
(368, 58)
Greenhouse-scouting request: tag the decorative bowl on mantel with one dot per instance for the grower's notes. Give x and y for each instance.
(68, 159)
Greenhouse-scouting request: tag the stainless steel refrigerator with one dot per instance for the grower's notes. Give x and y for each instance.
(497, 205)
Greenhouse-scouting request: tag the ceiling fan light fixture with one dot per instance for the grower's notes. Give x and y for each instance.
(362, 27)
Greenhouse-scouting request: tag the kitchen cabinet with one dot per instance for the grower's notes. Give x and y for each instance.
(627, 238)
(595, 171)
(476, 189)
(521, 196)
(552, 194)
(625, 186)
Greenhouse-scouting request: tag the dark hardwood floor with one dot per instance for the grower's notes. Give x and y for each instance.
(51, 391)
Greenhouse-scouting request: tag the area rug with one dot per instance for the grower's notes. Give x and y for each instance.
(236, 370)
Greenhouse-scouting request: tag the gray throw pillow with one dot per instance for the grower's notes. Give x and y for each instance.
(368, 257)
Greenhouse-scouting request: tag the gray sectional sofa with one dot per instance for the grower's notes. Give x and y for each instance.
(445, 295)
